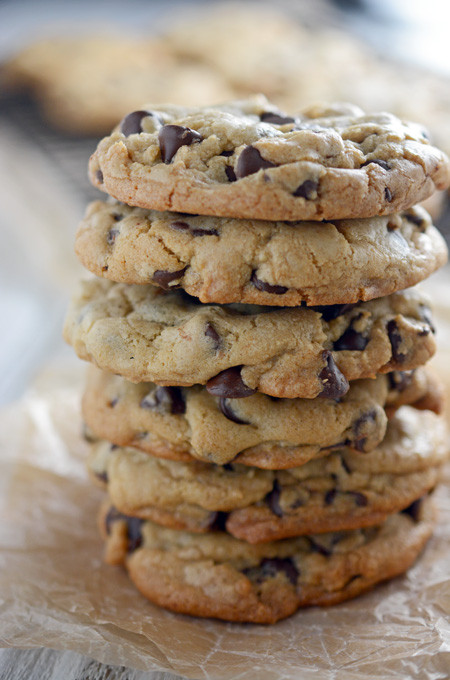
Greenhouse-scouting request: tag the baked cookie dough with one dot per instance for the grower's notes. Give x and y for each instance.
(269, 263)
(188, 423)
(246, 159)
(217, 575)
(145, 334)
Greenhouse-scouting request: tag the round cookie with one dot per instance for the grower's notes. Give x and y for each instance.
(344, 490)
(189, 423)
(245, 159)
(85, 84)
(147, 334)
(269, 263)
(217, 575)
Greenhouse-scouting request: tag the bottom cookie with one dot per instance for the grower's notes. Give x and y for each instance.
(216, 575)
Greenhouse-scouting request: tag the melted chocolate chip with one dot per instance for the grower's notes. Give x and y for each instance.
(229, 383)
(250, 161)
(413, 510)
(163, 278)
(273, 499)
(330, 496)
(379, 162)
(172, 137)
(134, 524)
(165, 400)
(351, 340)
(307, 190)
(360, 442)
(400, 380)
(359, 498)
(211, 332)
(276, 118)
(271, 567)
(388, 194)
(335, 384)
(319, 548)
(229, 413)
(396, 340)
(267, 287)
(415, 219)
(178, 225)
(331, 312)
(99, 176)
(218, 521)
(111, 236)
(231, 175)
(131, 124)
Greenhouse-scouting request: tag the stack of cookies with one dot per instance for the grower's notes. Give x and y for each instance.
(258, 407)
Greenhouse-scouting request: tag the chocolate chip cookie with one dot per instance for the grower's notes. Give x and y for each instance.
(188, 423)
(343, 490)
(145, 333)
(217, 575)
(246, 159)
(270, 263)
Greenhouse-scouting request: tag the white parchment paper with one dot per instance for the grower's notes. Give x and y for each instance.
(56, 592)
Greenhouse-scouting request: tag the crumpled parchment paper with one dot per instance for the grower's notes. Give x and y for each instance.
(56, 592)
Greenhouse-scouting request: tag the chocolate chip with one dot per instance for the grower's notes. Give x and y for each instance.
(231, 175)
(273, 499)
(134, 524)
(276, 118)
(335, 384)
(165, 400)
(229, 383)
(178, 225)
(307, 190)
(330, 496)
(425, 315)
(415, 219)
(218, 521)
(117, 217)
(360, 441)
(351, 340)
(113, 402)
(229, 413)
(413, 510)
(267, 287)
(270, 567)
(99, 176)
(250, 161)
(319, 548)
(379, 162)
(396, 340)
(388, 194)
(102, 476)
(111, 236)
(359, 498)
(228, 153)
(211, 332)
(131, 124)
(163, 278)
(172, 137)
(392, 225)
(331, 312)
(400, 380)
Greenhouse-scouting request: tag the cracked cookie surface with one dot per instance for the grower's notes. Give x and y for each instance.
(246, 159)
(189, 423)
(270, 263)
(343, 490)
(147, 334)
(217, 575)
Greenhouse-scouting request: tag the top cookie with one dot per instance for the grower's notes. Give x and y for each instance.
(245, 159)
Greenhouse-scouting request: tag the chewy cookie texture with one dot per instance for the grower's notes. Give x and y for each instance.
(258, 408)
